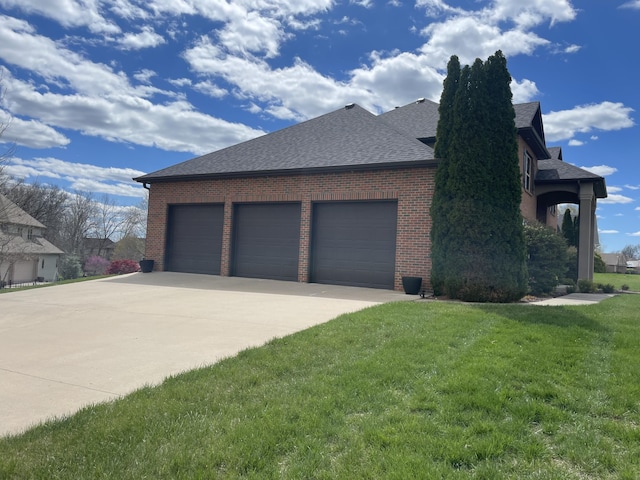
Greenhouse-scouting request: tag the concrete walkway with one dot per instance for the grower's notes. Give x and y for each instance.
(576, 299)
(68, 346)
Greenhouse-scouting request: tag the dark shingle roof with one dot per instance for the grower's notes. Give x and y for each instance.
(557, 171)
(555, 152)
(526, 113)
(350, 137)
(419, 119)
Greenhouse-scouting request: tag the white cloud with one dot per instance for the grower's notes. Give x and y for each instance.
(473, 37)
(635, 4)
(362, 3)
(145, 75)
(572, 49)
(615, 198)
(210, 89)
(607, 232)
(635, 234)
(81, 177)
(575, 143)
(68, 13)
(613, 189)
(602, 170)
(605, 116)
(30, 133)
(56, 168)
(637, 209)
(524, 91)
(105, 103)
(632, 187)
(145, 39)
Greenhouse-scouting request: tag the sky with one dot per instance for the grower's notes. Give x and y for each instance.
(96, 92)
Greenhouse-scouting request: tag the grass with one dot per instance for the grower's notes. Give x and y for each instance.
(618, 279)
(398, 391)
(52, 284)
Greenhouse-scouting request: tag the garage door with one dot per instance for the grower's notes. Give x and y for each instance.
(266, 240)
(24, 271)
(354, 243)
(194, 238)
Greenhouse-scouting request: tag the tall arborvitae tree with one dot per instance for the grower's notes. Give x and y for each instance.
(568, 230)
(478, 249)
(442, 198)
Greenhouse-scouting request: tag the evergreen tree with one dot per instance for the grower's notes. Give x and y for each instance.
(568, 231)
(478, 249)
(442, 198)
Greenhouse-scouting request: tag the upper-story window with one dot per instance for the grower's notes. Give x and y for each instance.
(30, 234)
(527, 172)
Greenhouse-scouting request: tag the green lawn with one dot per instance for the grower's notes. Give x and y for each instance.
(408, 390)
(53, 284)
(618, 279)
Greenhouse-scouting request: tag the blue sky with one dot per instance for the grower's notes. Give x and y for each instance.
(99, 91)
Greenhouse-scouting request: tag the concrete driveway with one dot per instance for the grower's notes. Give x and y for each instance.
(68, 346)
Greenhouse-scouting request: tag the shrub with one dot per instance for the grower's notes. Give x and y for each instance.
(625, 287)
(571, 289)
(546, 258)
(598, 264)
(572, 264)
(96, 265)
(70, 267)
(608, 288)
(123, 266)
(586, 286)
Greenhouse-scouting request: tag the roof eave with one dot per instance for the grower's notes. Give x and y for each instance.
(145, 179)
(530, 135)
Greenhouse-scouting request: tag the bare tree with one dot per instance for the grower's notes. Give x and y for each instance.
(135, 220)
(78, 221)
(109, 221)
(45, 203)
(632, 252)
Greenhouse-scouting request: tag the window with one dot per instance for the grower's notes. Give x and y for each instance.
(30, 234)
(42, 263)
(527, 172)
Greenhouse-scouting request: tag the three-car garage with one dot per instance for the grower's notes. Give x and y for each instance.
(349, 243)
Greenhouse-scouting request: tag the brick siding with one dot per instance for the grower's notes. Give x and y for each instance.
(411, 187)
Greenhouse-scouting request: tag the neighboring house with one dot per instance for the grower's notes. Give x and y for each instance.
(25, 256)
(614, 262)
(343, 198)
(101, 247)
(633, 266)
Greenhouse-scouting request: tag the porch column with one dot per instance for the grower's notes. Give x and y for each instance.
(587, 232)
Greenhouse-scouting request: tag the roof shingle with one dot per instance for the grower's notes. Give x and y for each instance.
(348, 137)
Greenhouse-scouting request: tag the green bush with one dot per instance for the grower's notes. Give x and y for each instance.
(572, 264)
(70, 267)
(586, 286)
(624, 287)
(608, 288)
(598, 264)
(546, 258)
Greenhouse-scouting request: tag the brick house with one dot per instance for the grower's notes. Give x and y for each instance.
(341, 199)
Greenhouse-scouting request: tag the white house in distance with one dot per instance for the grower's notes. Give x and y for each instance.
(25, 256)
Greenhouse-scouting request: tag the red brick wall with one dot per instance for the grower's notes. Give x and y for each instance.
(412, 188)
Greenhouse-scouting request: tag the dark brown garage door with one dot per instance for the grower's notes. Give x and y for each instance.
(354, 243)
(194, 238)
(266, 240)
